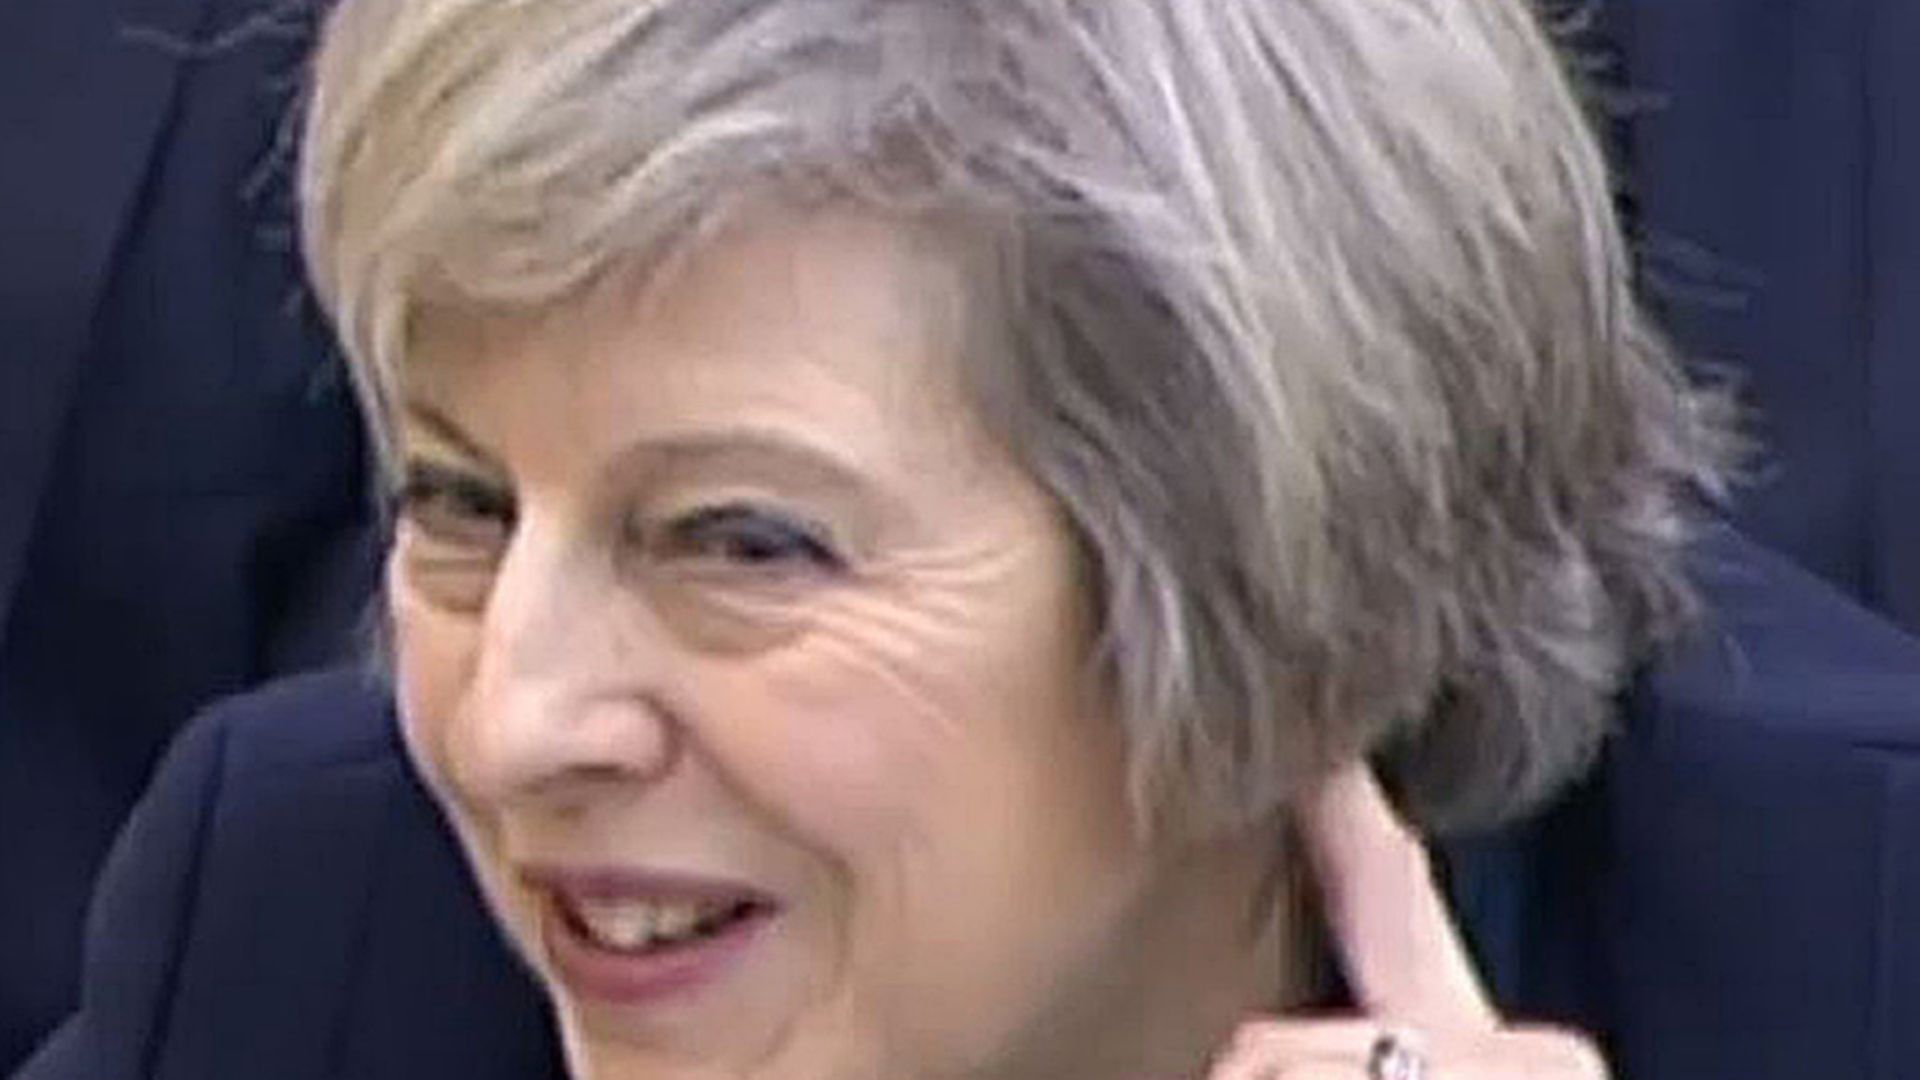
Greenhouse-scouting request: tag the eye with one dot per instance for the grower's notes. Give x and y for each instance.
(454, 508)
(750, 537)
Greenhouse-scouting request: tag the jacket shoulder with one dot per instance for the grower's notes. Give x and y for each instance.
(1725, 896)
(341, 716)
(1763, 796)
(1781, 657)
(248, 863)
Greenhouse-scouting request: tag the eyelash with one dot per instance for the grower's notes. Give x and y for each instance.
(441, 500)
(444, 503)
(750, 536)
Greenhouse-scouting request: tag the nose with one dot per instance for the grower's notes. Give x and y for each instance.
(568, 691)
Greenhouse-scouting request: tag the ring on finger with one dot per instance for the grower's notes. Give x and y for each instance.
(1396, 1055)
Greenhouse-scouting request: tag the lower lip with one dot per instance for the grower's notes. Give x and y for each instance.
(646, 978)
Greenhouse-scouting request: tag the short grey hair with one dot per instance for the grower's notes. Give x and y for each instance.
(1315, 315)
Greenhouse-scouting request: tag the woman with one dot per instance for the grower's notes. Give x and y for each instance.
(912, 513)
(903, 503)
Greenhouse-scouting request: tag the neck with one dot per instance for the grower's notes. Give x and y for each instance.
(1225, 939)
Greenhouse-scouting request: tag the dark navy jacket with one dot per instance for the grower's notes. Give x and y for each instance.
(182, 511)
(287, 904)
(1734, 896)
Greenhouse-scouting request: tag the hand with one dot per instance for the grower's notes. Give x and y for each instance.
(1404, 960)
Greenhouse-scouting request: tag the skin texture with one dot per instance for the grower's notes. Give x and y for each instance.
(721, 576)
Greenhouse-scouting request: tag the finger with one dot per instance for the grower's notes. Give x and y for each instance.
(1292, 1040)
(1276, 1049)
(1311, 1070)
(1258, 1062)
(1395, 938)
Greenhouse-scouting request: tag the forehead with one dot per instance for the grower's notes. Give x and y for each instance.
(822, 273)
(852, 323)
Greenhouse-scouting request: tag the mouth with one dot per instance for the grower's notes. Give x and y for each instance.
(630, 938)
(645, 928)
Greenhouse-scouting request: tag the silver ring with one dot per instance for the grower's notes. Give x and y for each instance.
(1396, 1056)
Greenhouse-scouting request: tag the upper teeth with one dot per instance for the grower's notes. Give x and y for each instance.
(631, 924)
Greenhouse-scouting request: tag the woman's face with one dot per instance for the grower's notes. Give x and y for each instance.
(754, 676)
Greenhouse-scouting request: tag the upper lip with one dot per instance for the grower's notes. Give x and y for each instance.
(640, 884)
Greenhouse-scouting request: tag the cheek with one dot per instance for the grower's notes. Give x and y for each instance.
(935, 736)
(885, 710)
(435, 654)
(957, 775)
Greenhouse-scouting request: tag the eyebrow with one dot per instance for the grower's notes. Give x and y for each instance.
(443, 428)
(748, 445)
